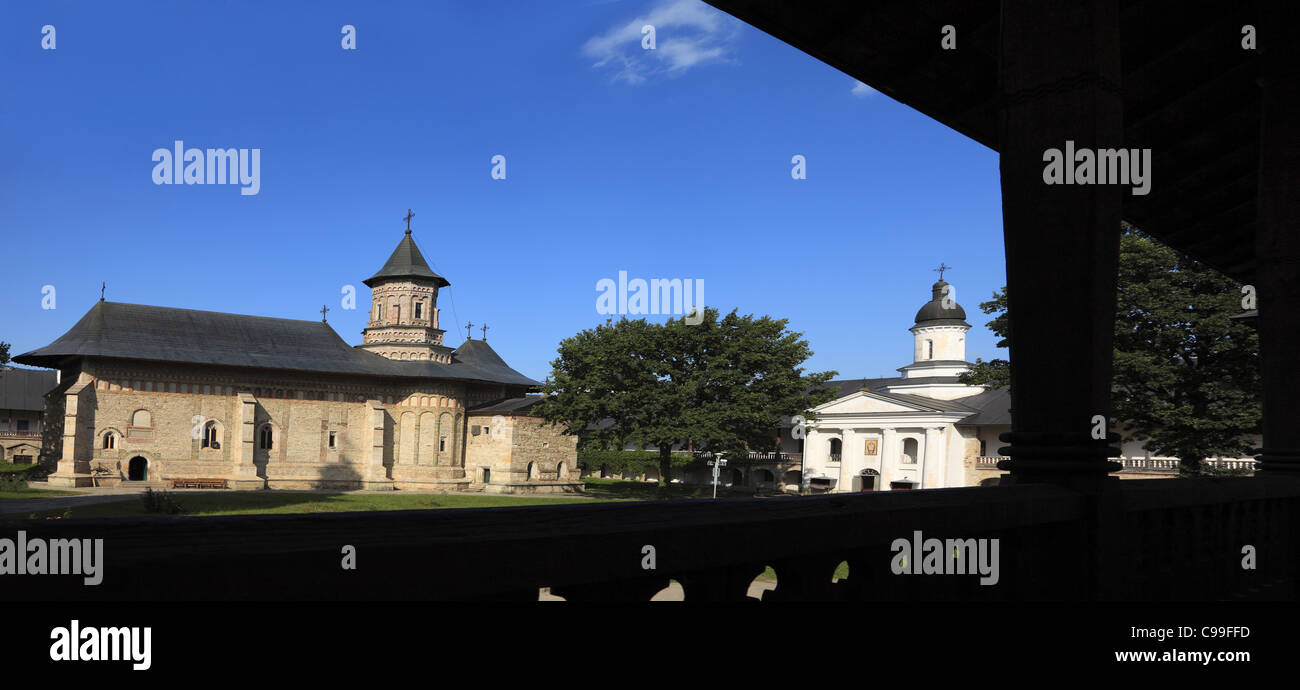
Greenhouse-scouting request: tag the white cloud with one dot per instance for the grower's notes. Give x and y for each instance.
(687, 33)
(861, 90)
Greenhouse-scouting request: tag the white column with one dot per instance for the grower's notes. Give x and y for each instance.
(848, 460)
(888, 448)
(932, 467)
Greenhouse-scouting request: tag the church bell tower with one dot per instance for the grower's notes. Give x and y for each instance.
(404, 307)
(939, 336)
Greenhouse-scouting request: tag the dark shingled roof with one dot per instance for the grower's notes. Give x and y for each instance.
(24, 389)
(510, 406)
(134, 331)
(406, 262)
(994, 408)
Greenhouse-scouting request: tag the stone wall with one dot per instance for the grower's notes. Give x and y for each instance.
(512, 446)
(384, 434)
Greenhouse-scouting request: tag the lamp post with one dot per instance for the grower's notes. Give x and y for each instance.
(717, 464)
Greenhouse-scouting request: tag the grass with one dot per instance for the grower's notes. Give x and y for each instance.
(34, 493)
(282, 503)
(13, 484)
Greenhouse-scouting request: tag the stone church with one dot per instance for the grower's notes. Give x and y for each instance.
(178, 397)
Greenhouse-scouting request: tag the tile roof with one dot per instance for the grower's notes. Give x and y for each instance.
(165, 334)
(24, 389)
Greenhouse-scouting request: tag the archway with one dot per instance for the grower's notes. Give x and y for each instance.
(137, 470)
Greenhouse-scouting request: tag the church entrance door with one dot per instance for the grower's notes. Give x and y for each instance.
(137, 470)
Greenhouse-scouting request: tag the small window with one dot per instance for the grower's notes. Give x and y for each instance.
(419, 310)
(23, 424)
(210, 436)
(983, 448)
(379, 315)
(109, 441)
(266, 439)
(487, 475)
(397, 312)
(442, 444)
(332, 440)
(929, 344)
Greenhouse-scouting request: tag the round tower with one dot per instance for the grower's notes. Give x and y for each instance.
(404, 308)
(939, 336)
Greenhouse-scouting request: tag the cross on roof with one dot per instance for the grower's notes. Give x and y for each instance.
(102, 287)
(408, 218)
(323, 310)
(469, 334)
(485, 327)
(942, 268)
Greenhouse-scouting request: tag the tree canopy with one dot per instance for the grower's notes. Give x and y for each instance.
(726, 383)
(1186, 376)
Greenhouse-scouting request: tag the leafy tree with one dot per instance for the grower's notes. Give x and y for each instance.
(725, 383)
(4, 353)
(1186, 376)
(995, 373)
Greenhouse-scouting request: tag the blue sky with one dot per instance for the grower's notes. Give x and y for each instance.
(672, 163)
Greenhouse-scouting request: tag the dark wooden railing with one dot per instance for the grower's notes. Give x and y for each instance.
(1172, 539)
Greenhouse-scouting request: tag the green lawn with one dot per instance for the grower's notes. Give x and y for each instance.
(280, 503)
(33, 493)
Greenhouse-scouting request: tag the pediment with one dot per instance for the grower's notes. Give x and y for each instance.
(864, 402)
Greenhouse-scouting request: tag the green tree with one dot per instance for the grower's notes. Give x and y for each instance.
(4, 353)
(725, 383)
(1186, 376)
(995, 373)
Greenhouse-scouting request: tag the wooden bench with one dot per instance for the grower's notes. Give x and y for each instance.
(199, 484)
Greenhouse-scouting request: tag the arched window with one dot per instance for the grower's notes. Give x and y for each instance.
(110, 440)
(561, 471)
(141, 418)
(266, 439)
(909, 450)
(837, 448)
(211, 435)
(532, 470)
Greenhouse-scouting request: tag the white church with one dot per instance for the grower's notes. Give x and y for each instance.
(921, 430)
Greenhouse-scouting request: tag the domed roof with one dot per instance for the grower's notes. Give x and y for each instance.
(934, 313)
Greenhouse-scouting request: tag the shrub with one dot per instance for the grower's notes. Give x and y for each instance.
(161, 502)
(13, 481)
